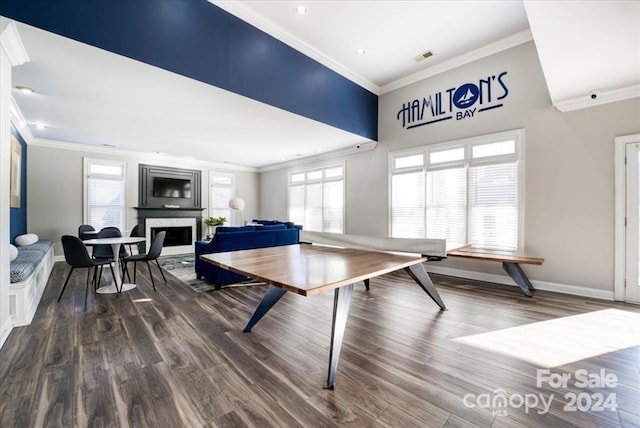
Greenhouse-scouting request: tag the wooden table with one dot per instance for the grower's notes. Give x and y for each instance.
(308, 269)
(115, 243)
(510, 263)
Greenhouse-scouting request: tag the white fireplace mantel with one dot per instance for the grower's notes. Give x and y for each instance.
(171, 222)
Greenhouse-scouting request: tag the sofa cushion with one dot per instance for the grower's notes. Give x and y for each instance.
(29, 257)
(287, 224)
(227, 229)
(26, 239)
(272, 227)
(13, 252)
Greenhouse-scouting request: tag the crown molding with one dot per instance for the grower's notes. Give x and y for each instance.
(485, 51)
(357, 148)
(239, 10)
(602, 97)
(12, 44)
(78, 147)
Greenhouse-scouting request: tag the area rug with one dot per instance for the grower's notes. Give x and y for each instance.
(182, 266)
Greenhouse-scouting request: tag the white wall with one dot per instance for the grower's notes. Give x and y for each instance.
(55, 191)
(5, 150)
(568, 167)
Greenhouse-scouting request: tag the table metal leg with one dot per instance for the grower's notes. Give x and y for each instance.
(341, 303)
(517, 274)
(115, 269)
(271, 297)
(421, 276)
(115, 249)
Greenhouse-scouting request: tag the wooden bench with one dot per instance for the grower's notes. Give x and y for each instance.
(510, 263)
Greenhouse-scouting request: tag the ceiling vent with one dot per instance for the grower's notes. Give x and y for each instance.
(423, 56)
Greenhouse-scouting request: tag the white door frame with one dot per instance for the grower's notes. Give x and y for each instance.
(619, 252)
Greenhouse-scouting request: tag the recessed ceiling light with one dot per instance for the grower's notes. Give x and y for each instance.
(360, 51)
(40, 125)
(301, 10)
(25, 89)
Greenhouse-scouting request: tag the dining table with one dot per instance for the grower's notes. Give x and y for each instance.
(115, 243)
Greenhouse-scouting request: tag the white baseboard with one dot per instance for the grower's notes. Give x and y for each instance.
(539, 285)
(5, 329)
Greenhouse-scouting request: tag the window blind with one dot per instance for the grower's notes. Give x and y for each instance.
(493, 206)
(465, 191)
(332, 210)
(316, 199)
(407, 208)
(221, 192)
(105, 194)
(447, 204)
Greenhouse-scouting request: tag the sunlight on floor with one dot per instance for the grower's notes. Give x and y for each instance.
(563, 340)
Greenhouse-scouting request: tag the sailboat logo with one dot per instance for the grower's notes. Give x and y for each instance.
(466, 95)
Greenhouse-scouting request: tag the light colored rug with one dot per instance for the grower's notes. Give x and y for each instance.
(182, 266)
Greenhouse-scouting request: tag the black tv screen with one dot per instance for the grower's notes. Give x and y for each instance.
(171, 188)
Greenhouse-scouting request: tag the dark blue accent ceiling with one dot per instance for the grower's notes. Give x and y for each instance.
(199, 40)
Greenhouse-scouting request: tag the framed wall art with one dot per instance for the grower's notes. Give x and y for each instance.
(16, 173)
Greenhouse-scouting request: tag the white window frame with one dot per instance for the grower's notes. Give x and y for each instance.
(212, 185)
(323, 168)
(518, 135)
(87, 175)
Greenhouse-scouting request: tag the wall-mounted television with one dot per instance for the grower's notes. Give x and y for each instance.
(165, 187)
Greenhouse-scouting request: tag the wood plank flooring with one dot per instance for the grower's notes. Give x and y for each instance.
(177, 358)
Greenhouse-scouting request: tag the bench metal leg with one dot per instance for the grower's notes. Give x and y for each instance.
(341, 304)
(517, 274)
(271, 297)
(421, 276)
(366, 284)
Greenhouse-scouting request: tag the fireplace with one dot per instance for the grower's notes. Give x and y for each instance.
(180, 234)
(169, 200)
(175, 235)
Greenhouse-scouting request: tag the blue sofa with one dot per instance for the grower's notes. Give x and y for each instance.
(271, 233)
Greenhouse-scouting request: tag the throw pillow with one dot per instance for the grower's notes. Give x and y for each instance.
(27, 239)
(13, 252)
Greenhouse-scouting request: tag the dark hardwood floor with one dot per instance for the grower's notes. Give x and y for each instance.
(177, 358)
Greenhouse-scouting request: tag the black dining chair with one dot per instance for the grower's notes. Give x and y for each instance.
(137, 232)
(153, 254)
(82, 232)
(101, 252)
(77, 256)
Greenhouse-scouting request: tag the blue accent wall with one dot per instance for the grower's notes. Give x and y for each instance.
(18, 216)
(199, 40)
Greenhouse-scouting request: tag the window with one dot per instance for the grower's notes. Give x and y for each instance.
(466, 191)
(105, 197)
(316, 199)
(221, 190)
